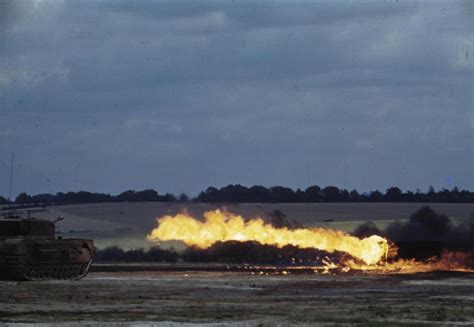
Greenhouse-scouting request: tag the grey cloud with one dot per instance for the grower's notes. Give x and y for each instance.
(181, 95)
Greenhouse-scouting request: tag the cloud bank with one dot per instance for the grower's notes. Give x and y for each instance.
(177, 96)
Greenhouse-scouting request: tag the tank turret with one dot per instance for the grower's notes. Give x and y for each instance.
(30, 250)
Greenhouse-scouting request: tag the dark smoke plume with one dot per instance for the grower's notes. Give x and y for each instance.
(424, 225)
(426, 234)
(367, 229)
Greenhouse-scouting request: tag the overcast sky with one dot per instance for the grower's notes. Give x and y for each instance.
(113, 95)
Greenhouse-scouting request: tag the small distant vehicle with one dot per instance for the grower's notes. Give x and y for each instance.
(30, 250)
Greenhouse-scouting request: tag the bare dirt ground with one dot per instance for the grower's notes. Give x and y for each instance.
(242, 299)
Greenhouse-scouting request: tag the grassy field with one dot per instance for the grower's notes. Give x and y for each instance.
(241, 299)
(127, 224)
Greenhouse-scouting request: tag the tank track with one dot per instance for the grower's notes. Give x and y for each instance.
(19, 271)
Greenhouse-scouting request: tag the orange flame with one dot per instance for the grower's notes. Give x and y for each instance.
(224, 226)
(448, 261)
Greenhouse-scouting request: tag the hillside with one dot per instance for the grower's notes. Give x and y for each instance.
(127, 224)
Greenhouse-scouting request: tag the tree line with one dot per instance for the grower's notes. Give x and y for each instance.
(148, 195)
(239, 193)
(235, 193)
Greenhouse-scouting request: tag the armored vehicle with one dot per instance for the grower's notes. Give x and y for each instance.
(30, 250)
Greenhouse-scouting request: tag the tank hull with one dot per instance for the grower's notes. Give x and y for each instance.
(44, 258)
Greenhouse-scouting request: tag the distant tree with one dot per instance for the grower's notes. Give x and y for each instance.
(257, 193)
(355, 196)
(365, 197)
(23, 198)
(168, 197)
(300, 196)
(147, 195)
(201, 197)
(393, 194)
(344, 195)
(282, 194)
(209, 195)
(73, 197)
(260, 193)
(431, 195)
(446, 195)
(466, 196)
(408, 196)
(314, 194)
(156, 254)
(127, 196)
(183, 197)
(419, 196)
(234, 193)
(112, 253)
(331, 194)
(376, 196)
(43, 198)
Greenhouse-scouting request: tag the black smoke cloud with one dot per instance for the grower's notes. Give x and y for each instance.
(427, 233)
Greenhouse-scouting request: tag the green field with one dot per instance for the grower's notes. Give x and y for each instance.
(127, 224)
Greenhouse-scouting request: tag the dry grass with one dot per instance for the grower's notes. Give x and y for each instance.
(243, 299)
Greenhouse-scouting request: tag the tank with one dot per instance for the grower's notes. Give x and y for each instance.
(30, 250)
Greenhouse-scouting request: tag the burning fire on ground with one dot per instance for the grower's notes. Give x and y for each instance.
(371, 254)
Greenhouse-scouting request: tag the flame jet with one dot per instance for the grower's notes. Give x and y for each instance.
(224, 226)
